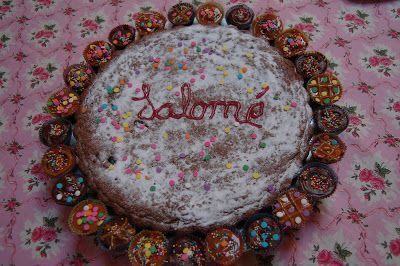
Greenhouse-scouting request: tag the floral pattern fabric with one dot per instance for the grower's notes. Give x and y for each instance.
(358, 225)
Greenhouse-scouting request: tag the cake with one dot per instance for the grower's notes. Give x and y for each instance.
(187, 128)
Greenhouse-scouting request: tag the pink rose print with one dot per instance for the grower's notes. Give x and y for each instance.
(355, 21)
(349, 17)
(385, 61)
(44, 36)
(394, 247)
(324, 257)
(365, 175)
(396, 106)
(391, 140)
(355, 120)
(327, 257)
(91, 26)
(5, 7)
(44, 2)
(365, 88)
(40, 4)
(49, 235)
(37, 234)
(307, 25)
(41, 74)
(382, 61)
(336, 262)
(377, 183)
(374, 61)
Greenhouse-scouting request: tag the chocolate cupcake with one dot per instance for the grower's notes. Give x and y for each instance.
(331, 119)
(58, 161)
(240, 16)
(149, 22)
(55, 132)
(69, 189)
(318, 180)
(292, 209)
(182, 14)
(121, 36)
(210, 14)
(224, 246)
(268, 26)
(98, 53)
(186, 251)
(262, 233)
(78, 77)
(148, 248)
(63, 103)
(324, 89)
(291, 42)
(327, 148)
(116, 234)
(310, 64)
(87, 216)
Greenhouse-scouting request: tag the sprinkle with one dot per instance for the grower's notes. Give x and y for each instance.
(177, 93)
(207, 158)
(165, 135)
(256, 175)
(253, 136)
(116, 89)
(207, 144)
(187, 185)
(245, 168)
(286, 108)
(182, 155)
(201, 153)
(229, 165)
(185, 50)
(181, 175)
(226, 73)
(225, 49)
(103, 119)
(138, 176)
(264, 85)
(128, 171)
(244, 69)
(113, 139)
(170, 49)
(153, 188)
(153, 146)
(158, 157)
(221, 82)
(185, 67)
(293, 104)
(227, 130)
(263, 145)
(249, 55)
(192, 80)
(171, 183)
(120, 139)
(240, 76)
(187, 136)
(250, 90)
(213, 139)
(198, 49)
(195, 173)
(202, 77)
(193, 44)
(207, 186)
(220, 68)
(138, 162)
(104, 106)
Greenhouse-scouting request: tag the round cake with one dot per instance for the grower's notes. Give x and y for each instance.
(193, 128)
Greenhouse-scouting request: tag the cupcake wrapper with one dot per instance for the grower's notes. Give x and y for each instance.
(69, 133)
(97, 66)
(121, 27)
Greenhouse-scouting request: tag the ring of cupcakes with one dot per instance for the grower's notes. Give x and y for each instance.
(327, 148)
(115, 234)
(240, 16)
(331, 119)
(121, 36)
(186, 250)
(210, 14)
(58, 161)
(148, 248)
(87, 216)
(224, 246)
(55, 132)
(318, 180)
(149, 22)
(268, 26)
(78, 77)
(69, 189)
(182, 14)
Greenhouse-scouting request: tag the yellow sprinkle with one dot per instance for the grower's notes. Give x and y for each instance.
(185, 250)
(129, 114)
(65, 102)
(285, 49)
(79, 221)
(226, 73)
(264, 85)
(148, 253)
(138, 176)
(313, 82)
(244, 69)
(241, 71)
(116, 90)
(71, 95)
(126, 129)
(334, 82)
(286, 107)
(100, 222)
(124, 116)
(249, 55)
(125, 124)
(169, 88)
(111, 167)
(120, 139)
(165, 135)
(225, 49)
(250, 90)
(221, 82)
(220, 68)
(138, 162)
(256, 175)
(324, 93)
(229, 165)
(227, 130)
(147, 245)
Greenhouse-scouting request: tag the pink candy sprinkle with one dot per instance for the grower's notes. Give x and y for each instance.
(130, 85)
(202, 153)
(253, 136)
(125, 158)
(293, 104)
(141, 126)
(167, 68)
(193, 44)
(95, 209)
(207, 144)
(103, 119)
(181, 174)
(153, 146)
(113, 139)
(172, 182)
(195, 173)
(114, 122)
(86, 227)
(157, 60)
(117, 126)
(203, 76)
(177, 93)
(185, 257)
(128, 171)
(192, 80)
(137, 90)
(201, 70)
(158, 157)
(212, 139)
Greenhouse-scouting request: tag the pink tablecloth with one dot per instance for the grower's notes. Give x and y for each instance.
(358, 225)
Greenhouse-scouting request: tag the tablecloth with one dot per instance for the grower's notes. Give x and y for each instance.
(358, 225)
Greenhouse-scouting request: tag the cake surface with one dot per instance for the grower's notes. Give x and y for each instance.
(193, 164)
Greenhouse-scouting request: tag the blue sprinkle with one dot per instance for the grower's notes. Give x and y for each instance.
(179, 44)
(276, 237)
(59, 186)
(253, 233)
(264, 236)
(180, 65)
(114, 107)
(334, 142)
(80, 180)
(264, 244)
(240, 76)
(69, 199)
(104, 106)
(264, 225)
(137, 72)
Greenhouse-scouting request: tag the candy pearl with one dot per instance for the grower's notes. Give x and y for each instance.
(280, 214)
(304, 201)
(59, 196)
(86, 208)
(297, 220)
(95, 209)
(77, 193)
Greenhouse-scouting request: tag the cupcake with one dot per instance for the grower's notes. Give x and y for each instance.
(58, 161)
(87, 216)
(149, 22)
(69, 189)
(148, 248)
(116, 234)
(318, 180)
(327, 148)
(310, 64)
(240, 16)
(55, 132)
(210, 14)
(121, 36)
(268, 26)
(98, 53)
(224, 246)
(63, 103)
(182, 14)
(324, 89)
(262, 233)
(292, 209)
(78, 77)
(331, 119)
(186, 251)
(291, 42)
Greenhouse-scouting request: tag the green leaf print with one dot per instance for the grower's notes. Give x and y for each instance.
(381, 170)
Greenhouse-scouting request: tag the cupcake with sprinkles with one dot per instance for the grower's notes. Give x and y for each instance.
(58, 161)
(63, 103)
(224, 246)
(262, 233)
(98, 53)
(327, 148)
(186, 251)
(268, 26)
(116, 234)
(310, 64)
(121, 36)
(69, 189)
(87, 216)
(149, 22)
(331, 119)
(182, 14)
(318, 180)
(148, 248)
(324, 89)
(240, 16)
(292, 42)
(78, 77)
(55, 132)
(210, 14)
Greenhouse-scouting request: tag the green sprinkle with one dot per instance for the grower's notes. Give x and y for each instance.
(327, 100)
(276, 97)
(263, 145)
(97, 120)
(207, 158)
(198, 49)
(152, 188)
(90, 222)
(324, 79)
(153, 249)
(336, 90)
(245, 167)
(100, 214)
(84, 220)
(314, 90)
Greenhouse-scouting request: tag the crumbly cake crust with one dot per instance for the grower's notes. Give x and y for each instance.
(206, 191)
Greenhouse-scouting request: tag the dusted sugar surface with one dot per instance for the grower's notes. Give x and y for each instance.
(183, 174)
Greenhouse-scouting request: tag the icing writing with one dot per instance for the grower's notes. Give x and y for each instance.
(254, 111)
